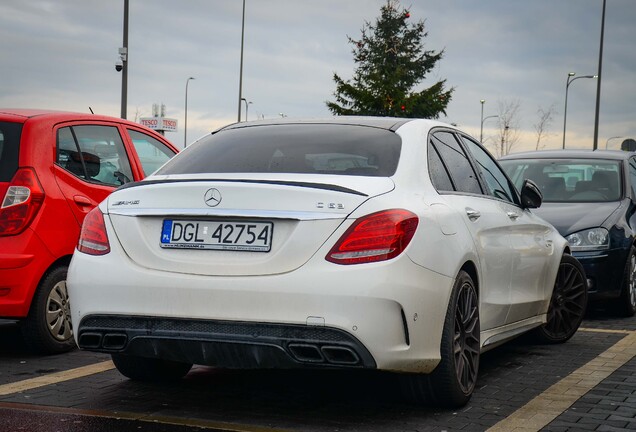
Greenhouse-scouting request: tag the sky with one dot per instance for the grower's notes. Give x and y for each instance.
(61, 54)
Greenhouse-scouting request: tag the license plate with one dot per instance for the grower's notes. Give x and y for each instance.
(217, 235)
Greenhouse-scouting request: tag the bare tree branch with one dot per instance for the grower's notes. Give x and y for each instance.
(545, 120)
(138, 114)
(508, 124)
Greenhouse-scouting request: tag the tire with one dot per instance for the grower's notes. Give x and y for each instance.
(567, 304)
(453, 381)
(626, 304)
(47, 328)
(150, 369)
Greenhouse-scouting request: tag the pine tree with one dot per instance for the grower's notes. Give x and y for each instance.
(391, 61)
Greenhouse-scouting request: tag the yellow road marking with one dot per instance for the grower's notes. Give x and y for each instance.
(547, 406)
(56, 377)
(148, 418)
(587, 329)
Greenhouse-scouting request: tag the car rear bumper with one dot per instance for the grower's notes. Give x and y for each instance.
(23, 261)
(389, 315)
(224, 343)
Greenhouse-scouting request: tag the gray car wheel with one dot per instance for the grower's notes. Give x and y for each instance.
(626, 304)
(48, 328)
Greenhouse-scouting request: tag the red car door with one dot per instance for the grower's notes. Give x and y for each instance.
(91, 162)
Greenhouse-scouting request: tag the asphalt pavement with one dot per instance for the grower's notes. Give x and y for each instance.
(588, 383)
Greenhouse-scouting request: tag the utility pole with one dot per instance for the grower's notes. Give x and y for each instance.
(598, 83)
(240, 97)
(123, 53)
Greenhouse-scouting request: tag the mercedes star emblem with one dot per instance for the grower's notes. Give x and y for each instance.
(212, 197)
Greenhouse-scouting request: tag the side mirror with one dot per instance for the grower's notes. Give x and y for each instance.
(531, 196)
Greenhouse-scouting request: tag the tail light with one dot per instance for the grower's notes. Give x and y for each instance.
(375, 237)
(93, 237)
(21, 203)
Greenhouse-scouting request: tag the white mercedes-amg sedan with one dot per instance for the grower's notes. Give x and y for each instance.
(378, 243)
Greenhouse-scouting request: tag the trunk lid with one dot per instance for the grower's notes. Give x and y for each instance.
(290, 217)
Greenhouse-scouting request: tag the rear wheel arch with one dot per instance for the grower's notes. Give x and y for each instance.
(470, 268)
(62, 261)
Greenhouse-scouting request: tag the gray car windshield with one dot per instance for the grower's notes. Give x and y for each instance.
(293, 148)
(569, 180)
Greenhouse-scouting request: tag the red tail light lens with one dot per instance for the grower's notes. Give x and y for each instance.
(375, 237)
(93, 238)
(21, 203)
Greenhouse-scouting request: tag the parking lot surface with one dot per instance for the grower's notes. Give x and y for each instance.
(588, 383)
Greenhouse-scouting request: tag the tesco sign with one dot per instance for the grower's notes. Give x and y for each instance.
(159, 123)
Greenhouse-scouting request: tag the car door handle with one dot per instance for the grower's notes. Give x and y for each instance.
(473, 215)
(82, 200)
(512, 215)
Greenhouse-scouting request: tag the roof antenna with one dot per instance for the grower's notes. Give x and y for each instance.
(91, 110)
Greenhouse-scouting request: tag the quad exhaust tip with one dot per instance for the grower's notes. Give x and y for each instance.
(107, 341)
(310, 353)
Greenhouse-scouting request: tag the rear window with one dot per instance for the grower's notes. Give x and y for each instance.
(569, 180)
(297, 148)
(9, 149)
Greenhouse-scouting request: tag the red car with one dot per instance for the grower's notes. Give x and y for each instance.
(54, 168)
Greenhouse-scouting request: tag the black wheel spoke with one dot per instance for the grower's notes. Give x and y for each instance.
(568, 302)
(466, 337)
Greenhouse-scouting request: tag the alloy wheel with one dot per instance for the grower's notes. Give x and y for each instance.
(632, 280)
(568, 302)
(58, 313)
(466, 338)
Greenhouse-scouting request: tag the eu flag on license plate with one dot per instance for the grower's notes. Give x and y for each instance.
(166, 231)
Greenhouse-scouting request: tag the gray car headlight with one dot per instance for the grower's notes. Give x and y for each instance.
(588, 240)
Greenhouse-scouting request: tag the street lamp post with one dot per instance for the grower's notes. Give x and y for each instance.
(241, 70)
(481, 135)
(246, 106)
(504, 136)
(481, 132)
(569, 81)
(185, 123)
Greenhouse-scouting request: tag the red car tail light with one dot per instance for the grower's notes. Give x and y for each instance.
(376, 237)
(21, 202)
(93, 237)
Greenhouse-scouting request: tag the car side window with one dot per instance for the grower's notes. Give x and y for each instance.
(455, 160)
(68, 154)
(496, 181)
(94, 153)
(632, 176)
(437, 171)
(152, 153)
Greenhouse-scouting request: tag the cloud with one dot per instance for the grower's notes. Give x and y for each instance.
(61, 55)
